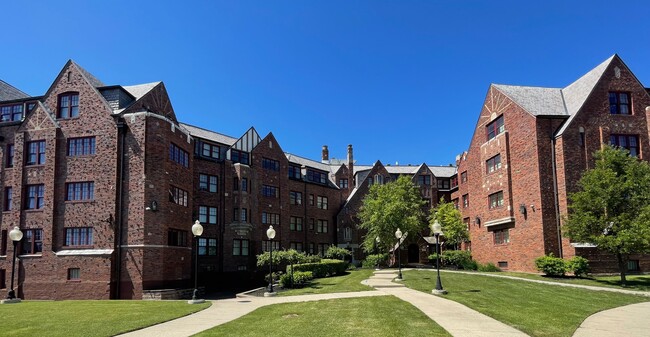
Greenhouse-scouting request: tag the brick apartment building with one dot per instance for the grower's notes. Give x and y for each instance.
(529, 150)
(105, 183)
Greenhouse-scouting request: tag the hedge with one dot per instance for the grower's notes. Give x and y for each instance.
(324, 268)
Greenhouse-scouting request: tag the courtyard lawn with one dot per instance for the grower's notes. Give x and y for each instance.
(634, 282)
(369, 316)
(349, 282)
(536, 309)
(88, 318)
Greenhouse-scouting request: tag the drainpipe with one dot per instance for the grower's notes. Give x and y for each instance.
(121, 130)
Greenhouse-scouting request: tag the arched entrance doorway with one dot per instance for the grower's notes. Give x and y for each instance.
(414, 253)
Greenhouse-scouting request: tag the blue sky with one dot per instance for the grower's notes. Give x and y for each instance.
(403, 81)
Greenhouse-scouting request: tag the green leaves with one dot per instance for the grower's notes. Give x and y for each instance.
(453, 228)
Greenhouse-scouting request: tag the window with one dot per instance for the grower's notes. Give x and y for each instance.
(11, 112)
(176, 238)
(295, 198)
(296, 246)
(36, 152)
(237, 156)
(240, 214)
(343, 183)
(269, 191)
(295, 224)
(294, 172)
(3, 279)
(9, 155)
(267, 244)
(496, 199)
(321, 202)
(83, 146)
(208, 183)
(8, 200)
(316, 176)
(322, 248)
(81, 191)
(619, 103)
(35, 196)
(424, 180)
(240, 247)
(466, 222)
(208, 215)
(32, 241)
(311, 200)
(311, 248)
(68, 105)
(501, 236)
(207, 150)
(465, 200)
(493, 164)
(207, 247)
(270, 218)
(178, 196)
(633, 265)
(463, 177)
(178, 155)
(456, 203)
(78, 236)
(495, 128)
(347, 234)
(3, 243)
(74, 274)
(454, 181)
(443, 184)
(311, 224)
(270, 164)
(244, 184)
(322, 226)
(628, 142)
(503, 264)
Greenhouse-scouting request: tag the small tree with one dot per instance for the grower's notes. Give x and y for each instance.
(612, 207)
(334, 252)
(454, 229)
(386, 207)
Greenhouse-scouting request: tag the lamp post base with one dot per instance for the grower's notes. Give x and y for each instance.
(196, 301)
(438, 292)
(270, 294)
(10, 301)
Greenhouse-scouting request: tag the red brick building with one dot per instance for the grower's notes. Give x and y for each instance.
(528, 151)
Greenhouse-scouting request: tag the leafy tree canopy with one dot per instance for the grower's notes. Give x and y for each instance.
(386, 207)
(612, 207)
(453, 228)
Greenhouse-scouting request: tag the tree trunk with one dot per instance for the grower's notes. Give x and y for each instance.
(622, 267)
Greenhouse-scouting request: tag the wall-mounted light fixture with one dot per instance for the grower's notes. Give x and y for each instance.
(522, 209)
(153, 207)
(477, 220)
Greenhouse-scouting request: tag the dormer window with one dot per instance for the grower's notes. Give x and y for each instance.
(68, 105)
(11, 112)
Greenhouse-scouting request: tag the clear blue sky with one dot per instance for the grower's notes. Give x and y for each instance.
(400, 80)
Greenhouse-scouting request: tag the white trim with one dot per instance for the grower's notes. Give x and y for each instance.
(83, 252)
(154, 246)
(583, 245)
(151, 114)
(499, 221)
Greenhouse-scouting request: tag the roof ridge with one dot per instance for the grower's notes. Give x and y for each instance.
(204, 129)
(94, 81)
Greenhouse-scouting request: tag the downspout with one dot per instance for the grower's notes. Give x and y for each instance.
(121, 129)
(556, 197)
(222, 228)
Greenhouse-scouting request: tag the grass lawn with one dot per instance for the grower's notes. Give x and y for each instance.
(536, 309)
(369, 316)
(634, 282)
(351, 281)
(88, 318)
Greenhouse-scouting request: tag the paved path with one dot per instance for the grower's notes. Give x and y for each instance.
(630, 320)
(454, 317)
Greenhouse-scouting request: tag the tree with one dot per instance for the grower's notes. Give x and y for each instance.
(454, 229)
(397, 204)
(612, 207)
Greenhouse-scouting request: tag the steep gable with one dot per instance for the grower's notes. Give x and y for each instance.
(9, 92)
(40, 118)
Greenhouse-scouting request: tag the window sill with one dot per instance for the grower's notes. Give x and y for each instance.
(34, 165)
(34, 210)
(73, 281)
(22, 256)
(80, 201)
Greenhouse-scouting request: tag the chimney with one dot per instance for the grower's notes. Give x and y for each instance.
(325, 157)
(350, 159)
(351, 182)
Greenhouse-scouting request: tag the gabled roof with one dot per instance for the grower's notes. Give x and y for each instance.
(292, 158)
(198, 132)
(139, 90)
(443, 171)
(438, 171)
(9, 92)
(89, 77)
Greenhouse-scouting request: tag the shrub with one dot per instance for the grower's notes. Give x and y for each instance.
(489, 267)
(550, 265)
(578, 265)
(337, 253)
(374, 260)
(324, 268)
(470, 265)
(300, 279)
(456, 258)
(276, 276)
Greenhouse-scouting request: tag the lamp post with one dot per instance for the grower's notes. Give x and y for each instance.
(15, 235)
(270, 233)
(437, 231)
(197, 230)
(398, 235)
(377, 241)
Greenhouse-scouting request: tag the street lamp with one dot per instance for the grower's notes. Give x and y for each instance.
(270, 233)
(398, 235)
(197, 230)
(437, 231)
(377, 240)
(15, 235)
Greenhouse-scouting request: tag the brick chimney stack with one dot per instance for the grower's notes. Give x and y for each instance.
(325, 158)
(351, 182)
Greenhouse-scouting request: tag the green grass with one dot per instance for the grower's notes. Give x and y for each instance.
(634, 282)
(88, 318)
(369, 316)
(536, 309)
(349, 282)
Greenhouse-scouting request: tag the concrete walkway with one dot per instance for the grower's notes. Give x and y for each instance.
(630, 320)
(454, 317)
